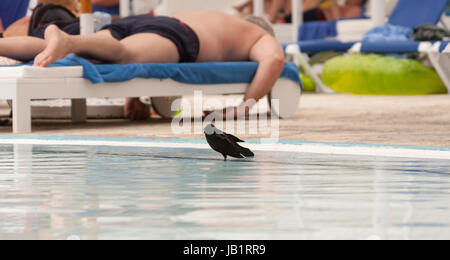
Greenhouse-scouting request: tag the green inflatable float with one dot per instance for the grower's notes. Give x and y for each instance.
(308, 83)
(378, 75)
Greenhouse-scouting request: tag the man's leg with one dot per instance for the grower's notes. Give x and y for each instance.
(21, 48)
(149, 48)
(59, 44)
(138, 48)
(146, 48)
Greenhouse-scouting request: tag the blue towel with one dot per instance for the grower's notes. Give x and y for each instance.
(317, 46)
(390, 47)
(388, 33)
(189, 73)
(317, 30)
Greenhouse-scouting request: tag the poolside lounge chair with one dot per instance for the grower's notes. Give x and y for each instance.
(25, 83)
(74, 78)
(439, 55)
(408, 13)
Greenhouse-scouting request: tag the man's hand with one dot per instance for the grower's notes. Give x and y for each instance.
(136, 110)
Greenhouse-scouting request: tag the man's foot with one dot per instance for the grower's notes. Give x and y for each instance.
(136, 110)
(58, 46)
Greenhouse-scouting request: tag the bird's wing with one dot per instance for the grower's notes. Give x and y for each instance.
(234, 138)
(227, 144)
(222, 144)
(243, 151)
(237, 149)
(231, 146)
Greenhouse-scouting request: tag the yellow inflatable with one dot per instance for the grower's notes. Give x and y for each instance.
(378, 75)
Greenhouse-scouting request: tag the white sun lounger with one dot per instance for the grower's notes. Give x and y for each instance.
(24, 83)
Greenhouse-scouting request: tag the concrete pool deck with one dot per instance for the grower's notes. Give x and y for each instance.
(394, 120)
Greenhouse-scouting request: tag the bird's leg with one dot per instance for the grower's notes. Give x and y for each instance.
(225, 157)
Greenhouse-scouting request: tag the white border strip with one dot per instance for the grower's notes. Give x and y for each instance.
(293, 148)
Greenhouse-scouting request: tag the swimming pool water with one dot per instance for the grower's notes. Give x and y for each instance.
(76, 192)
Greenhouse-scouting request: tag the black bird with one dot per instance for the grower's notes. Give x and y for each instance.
(226, 144)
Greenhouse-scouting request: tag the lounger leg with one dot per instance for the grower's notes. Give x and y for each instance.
(287, 96)
(301, 60)
(21, 115)
(441, 63)
(79, 110)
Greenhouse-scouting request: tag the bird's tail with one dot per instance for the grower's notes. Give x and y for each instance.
(245, 151)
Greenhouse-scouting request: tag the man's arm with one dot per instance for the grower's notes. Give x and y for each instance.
(1, 26)
(270, 56)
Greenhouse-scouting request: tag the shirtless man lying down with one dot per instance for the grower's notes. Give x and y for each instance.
(196, 36)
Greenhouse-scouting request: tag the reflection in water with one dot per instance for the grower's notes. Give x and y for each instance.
(60, 192)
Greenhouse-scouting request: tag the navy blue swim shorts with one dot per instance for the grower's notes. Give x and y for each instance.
(179, 33)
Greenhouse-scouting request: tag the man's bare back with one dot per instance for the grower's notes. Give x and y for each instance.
(222, 37)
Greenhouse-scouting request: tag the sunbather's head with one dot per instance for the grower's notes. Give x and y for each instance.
(261, 22)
